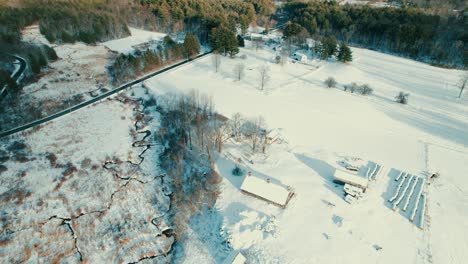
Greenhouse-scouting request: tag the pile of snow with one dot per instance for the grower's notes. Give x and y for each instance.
(138, 36)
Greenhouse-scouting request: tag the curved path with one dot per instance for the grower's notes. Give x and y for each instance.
(96, 99)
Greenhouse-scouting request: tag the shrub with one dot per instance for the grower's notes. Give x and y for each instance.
(17, 146)
(3, 168)
(52, 159)
(365, 89)
(237, 171)
(278, 59)
(330, 82)
(85, 163)
(150, 102)
(402, 98)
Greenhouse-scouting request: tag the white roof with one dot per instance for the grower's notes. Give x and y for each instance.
(235, 258)
(267, 190)
(351, 178)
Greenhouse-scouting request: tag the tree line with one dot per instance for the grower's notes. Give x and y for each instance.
(408, 31)
(60, 21)
(126, 66)
(92, 21)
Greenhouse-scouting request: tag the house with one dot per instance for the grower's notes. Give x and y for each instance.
(235, 258)
(311, 43)
(267, 190)
(353, 177)
(300, 57)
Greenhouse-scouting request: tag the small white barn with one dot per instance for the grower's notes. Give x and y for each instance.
(266, 190)
(355, 178)
(235, 258)
(300, 57)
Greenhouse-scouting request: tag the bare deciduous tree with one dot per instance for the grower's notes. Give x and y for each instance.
(268, 139)
(284, 56)
(239, 71)
(257, 43)
(236, 126)
(221, 131)
(253, 130)
(462, 83)
(264, 75)
(216, 59)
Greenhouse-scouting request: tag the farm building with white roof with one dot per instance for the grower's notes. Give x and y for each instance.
(266, 190)
(355, 178)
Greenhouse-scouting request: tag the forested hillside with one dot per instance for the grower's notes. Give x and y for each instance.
(93, 21)
(407, 31)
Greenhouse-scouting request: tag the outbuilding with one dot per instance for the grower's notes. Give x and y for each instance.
(355, 178)
(300, 57)
(267, 190)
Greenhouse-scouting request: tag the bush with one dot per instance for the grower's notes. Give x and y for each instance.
(150, 102)
(330, 82)
(237, 171)
(17, 146)
(402, 98)
(3, 168)
(365, 89)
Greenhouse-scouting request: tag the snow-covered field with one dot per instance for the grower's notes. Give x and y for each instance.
(138, 36)
(79, 74)
(78, 190)
(321, 126)
(79, 70)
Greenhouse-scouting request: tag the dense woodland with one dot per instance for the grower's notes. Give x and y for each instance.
(406, 31)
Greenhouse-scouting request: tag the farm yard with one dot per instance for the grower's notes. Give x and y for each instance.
(320, 127)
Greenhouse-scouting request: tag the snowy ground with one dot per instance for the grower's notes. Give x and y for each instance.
(76, 189)
(138, 36)
(79, 70)
(79, 74)
(322, 125)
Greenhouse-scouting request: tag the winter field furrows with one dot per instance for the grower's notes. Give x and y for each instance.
(320, 126)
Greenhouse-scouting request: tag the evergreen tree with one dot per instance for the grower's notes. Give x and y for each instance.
(240, 41)
(327, 48)
(291, 30)
(344, 53)
(224, 40)
(191, 45)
